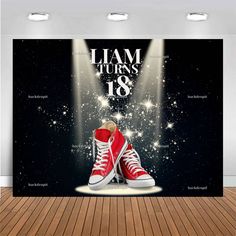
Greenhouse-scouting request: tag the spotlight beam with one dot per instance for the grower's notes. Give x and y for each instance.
(149, 86)
(85, 84)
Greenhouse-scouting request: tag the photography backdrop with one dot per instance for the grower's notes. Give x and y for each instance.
(165, 96)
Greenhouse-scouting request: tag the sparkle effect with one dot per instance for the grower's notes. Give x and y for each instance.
(148, 104)
(170, 125)
(103, 101)
(128, 133)
(118, 116)
(54, 134)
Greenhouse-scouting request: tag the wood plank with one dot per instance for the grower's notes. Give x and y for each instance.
(89, 217)
(198, 217)
(171, 225)
(206, 217)
(231, 193)
(27, 220)
(5, 196)
(9, 208)
(176, 217)
(3, 199)
(47, 221)
(232, 200)
(98, 216)
(113, 220)
(152, 217)
(12, 212)
(35, 227)
(6, 203)
(220, 216)
(22, 213)
(73, 217)
(118, 215)
(65, 217)
(121, 217)
(105, 217)
(130, 230)
(214, 218)
(81, 217)
(229, 218)
(160, 217)
(184, 219)
(222, 202)
(145, 218)
(57, 217)
(137, 217)
(191, 217)
(233, 189)
(4, 191)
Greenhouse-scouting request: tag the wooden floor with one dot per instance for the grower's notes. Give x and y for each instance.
(118, 216)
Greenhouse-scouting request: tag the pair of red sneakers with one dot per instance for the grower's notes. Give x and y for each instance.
(114, 151)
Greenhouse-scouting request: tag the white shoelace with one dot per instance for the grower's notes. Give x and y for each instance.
(132, 161)
(102, 153)
(102, 149)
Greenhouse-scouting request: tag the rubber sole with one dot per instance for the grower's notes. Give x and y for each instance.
(106, 180)
(141, 183)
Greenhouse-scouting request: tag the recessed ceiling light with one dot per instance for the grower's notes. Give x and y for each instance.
(38, 16)
(114, 16)
(194, 16)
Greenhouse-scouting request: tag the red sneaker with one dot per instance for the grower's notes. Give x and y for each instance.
(132, 171)
(111, 145)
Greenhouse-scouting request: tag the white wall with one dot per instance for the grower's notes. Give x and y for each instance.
(229, 102)
(230, 110)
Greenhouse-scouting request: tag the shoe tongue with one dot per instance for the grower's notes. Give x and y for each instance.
(102, 135)
(129, 147)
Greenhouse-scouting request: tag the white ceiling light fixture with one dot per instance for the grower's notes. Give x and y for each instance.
(36, 16)
(117, 16)
(196, 16)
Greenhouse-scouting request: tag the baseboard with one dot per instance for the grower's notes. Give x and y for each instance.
(6, 181)
(229, 181)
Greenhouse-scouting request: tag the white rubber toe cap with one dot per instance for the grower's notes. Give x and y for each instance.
(142, 181)
(95, 179)
(144, 177)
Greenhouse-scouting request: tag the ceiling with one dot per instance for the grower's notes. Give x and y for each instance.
(146, 17)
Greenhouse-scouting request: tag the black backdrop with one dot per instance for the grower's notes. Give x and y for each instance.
(46, 161)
